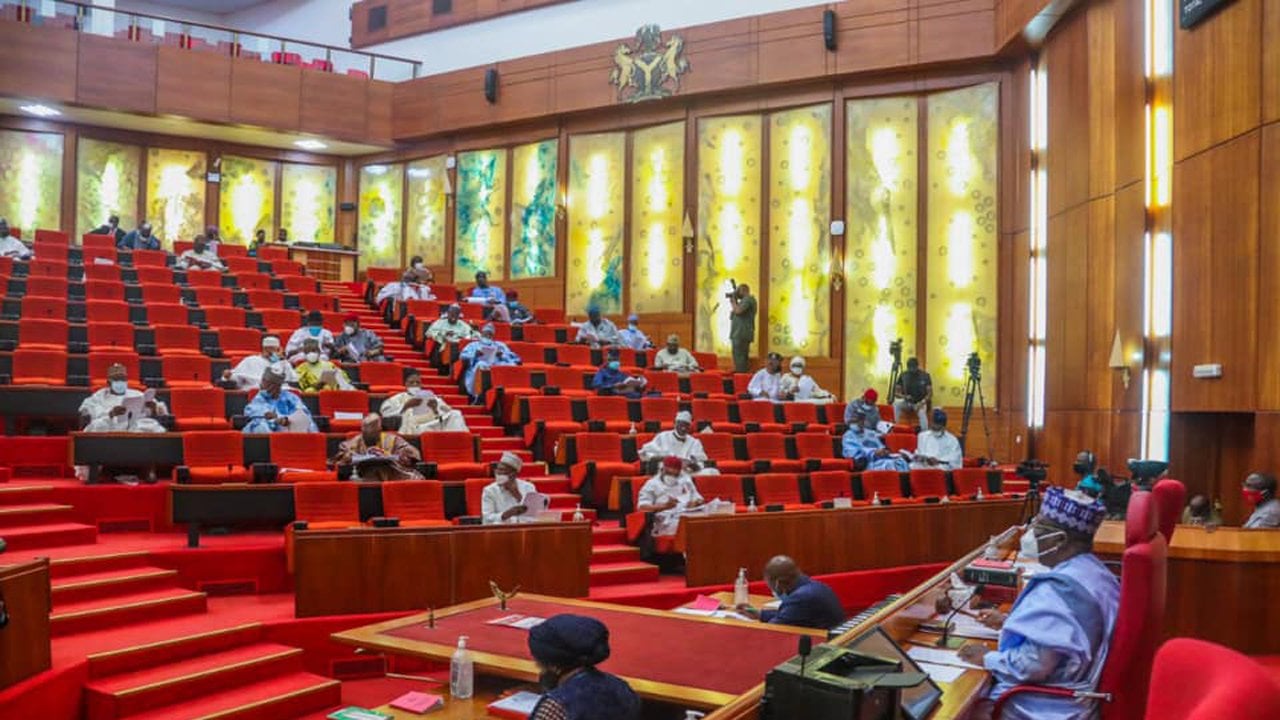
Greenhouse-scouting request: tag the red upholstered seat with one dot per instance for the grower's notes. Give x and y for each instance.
(104, 290)
(177, 339)
(660, 410)
(113, 335)
(211, 457)
(280, 321)
(298, 283)
(100, 360)
(1171, 496)
(761, 416)
(452, 455)
(571, 381)
(51, 238)
(204, 278)
(268, 300)
(43, 333)
(1197, 680)
(474, 490)
(152, 258)
(779, 489)
(820, 451)
(722, 449)
(382, 377)
(510, 383)
(39, 367)
(548, 418)
(722, 487)
(301, 457)
(280, 268)
(381, 275)
(220, 317)
(772, 447)
(715, 412)
(250, 279)
(186, 371)
(539, 334)
(167, 314)
(807, 417)
(706, 360)
(308, 301)
(51, 287)
(897, 442)
(95, 271)
(831, 484)
(574, 355)
(239, 341)
(157, 276)
(90, 241)
(241, 265)
(710, 385)
(48, 267)
(610, 413)
(417, 503)
(968, 480)
(598, 459)
(197, 408)
(160, 293)
(324, 506)
(103, 311)
(345, 401)
(273, 252)
(214, 297)
(888, 483)
(928, 483)
(38, 306)
(227, 250)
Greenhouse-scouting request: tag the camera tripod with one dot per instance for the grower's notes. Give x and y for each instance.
(895, 351)
(972, 388)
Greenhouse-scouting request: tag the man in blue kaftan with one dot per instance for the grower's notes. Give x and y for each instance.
(271, 409)
(483, 354)
(863, 445)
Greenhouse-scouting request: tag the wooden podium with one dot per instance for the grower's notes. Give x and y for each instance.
(326, 263)
(24, 640)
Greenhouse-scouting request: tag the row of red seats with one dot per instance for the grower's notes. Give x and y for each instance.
(54, 293)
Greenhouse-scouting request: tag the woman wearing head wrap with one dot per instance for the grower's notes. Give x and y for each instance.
(801, 387)
(567, 649)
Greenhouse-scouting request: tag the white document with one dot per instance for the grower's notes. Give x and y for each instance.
(941, 673)
(102, 261)
(964, 626)
(522, 702)
(536, 502)
(299, 422)
(136, 405)
(938, 656)
(340, 415)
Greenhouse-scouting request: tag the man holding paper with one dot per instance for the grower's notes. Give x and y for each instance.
(863, 444)
(248, 372)
(680, 443)
(275, 409)
(936, 447)
(119, 408)
(421, 410)
(669, 495)
(315, 373)
(483, 354)
(378, 456)
(509, 499)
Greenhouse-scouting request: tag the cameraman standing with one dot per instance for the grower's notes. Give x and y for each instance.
(742, 328)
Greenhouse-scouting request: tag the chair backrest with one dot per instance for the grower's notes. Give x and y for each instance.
(1139, 624)
(48, 286)
(301, 284)
(554, 408)
(309, 301)
(239, 340)
(242, 265)
(816, 445)
(1140, 520)
(103, 290)
(599, 447)
(228, 250)
(757, 411)
(327, 502)
(268, 300)
(968, 480)
(777, 488)
(830, 484)
(801, 412)
(474, 489)
(218, 317)
(566, 378)
(661, 409)
(273, 253)
(211, 296)
(45, 307)
(251, 280)
(897, 442)
(162, 313)
(608, 408)
(928, 482)
(766, 445)
(413, 500)
(44, 267)
(503, 376)
(204, 278)
(98, 242)
(706, 360)
(707, 383)
(539, 334)
(45, 331)
(152, 258)
(186, 368)
(667, 383)
(30, 364)
(886, 482)
(299, 451)
(448, 447)
(213, 448)
(158, 293)
(100, 360)
(719, 446)
(100, 311)
(710, 410)
(1171, 496)
(51, 237)
(96, 271)
(177, 337)
(381, 275)
(109, 334)
(725, 487)
(382, 373)
(279, 319)
(1198, 680)
(198, 402)
(574, 355)
(343, 401)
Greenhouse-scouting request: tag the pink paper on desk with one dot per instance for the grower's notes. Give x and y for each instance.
(417, 702)
(702, 602)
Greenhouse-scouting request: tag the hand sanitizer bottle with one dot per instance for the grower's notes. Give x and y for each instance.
(875, 498)
(577, 514)
(751, 504)
(633, 429)
(461, 672)
(740, 595)
(978, 496)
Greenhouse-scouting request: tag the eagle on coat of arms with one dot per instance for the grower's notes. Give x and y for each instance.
(651, 69)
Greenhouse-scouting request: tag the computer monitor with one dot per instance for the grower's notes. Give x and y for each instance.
(918, 701)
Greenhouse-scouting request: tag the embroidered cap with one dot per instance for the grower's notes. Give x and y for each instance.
(1072, 510)
(684, 416)
(671, 462)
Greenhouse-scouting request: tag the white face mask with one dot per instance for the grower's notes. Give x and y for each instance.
(350, 330)
(313, 357)
(418, 266)
(669, 480)
(1030, 546)
(119, 387)
(797, 370)
(502, 478)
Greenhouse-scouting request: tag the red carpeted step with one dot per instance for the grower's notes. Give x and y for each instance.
(138, 657)
(112, 582)
(135, 692)
(74, 617)
(284, 696)
(35, 514)
(623, 572)
(608, 554)
(42, 536)
(609, 534)
(88, 564)
(25, 494)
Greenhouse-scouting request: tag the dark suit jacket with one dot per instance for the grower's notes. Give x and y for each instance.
(810, 604)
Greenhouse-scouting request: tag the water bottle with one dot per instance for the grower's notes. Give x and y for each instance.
(740, 594)
(633, 429)
(577, 514)
(751, 504)
(875, 498)
(461, 671)
(979, 495)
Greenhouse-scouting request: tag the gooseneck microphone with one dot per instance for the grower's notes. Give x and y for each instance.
(806, 647)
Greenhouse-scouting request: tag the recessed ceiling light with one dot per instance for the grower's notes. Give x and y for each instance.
(40, 110)
(310, 144)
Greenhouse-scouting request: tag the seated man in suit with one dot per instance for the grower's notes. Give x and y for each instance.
(802, 601)
(112, 228)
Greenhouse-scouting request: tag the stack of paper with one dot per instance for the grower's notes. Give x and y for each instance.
(417, 702)
(520, 622)
(938, 656)
(517, 706)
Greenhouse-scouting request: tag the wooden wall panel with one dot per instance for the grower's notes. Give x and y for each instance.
(721, 56)
(1015, 151)
(1268, 358)
(406, 18)
(40, 62)
(1211, 453)
(193, 84)
(378, 113)
(1098, 283)
(1270, 62)
(116, 75)
(872, 40)
(266, 94)
(1066, 61)
(1014, 320)
(1217, 95)
(1215, 302)
(1011, 16)
(1130, 127)
(333, 105)
(790, 47)
(955, 31)
(1066, 332)
(1100, 22)
(1073, 431)
(1128, 295)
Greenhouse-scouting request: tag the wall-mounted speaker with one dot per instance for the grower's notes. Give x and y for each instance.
(347, 207)
(829, 29)
(491, 85)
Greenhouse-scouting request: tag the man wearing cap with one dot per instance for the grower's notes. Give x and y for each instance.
(11, 246)
(421, 410)
(274, 408)
(766, 384)
(679, 443)
(248, 372)
(567, 649)
(674, 358)
(800, 387)
(936, 447)
(483, 354)
(451, 328)
(503, 499)
(372, 441)
(106, 411)
(858, 407)
(597, 331)
(315, 373)
(668, 495)
(862, 444)
(1059, 629)
(356, 344)
(406, 288)
(632, 336)
(313, 329)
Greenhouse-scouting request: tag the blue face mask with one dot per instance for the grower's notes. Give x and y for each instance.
(614, 364)
(274, 357)
(314, 330)
(119, 386)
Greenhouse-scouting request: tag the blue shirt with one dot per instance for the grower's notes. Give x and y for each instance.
(861, 446)
(592, 695)
(810, 604)
(283, 405)
(135, 241)
(606, 378)
(483, 354)
(489, 293)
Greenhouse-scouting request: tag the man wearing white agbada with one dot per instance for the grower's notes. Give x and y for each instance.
(503, 499)
(936, 447)
(680, 443)
(766, 384)
(405, 289)
(675, 358)
(801, 387)
(11, 246)
(668, 495)
(421, 410)
(247, 373)
(119, 408)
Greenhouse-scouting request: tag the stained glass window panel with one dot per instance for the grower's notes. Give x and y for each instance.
(247, 200)
(308, 194)
(533, 211)
(657, 218)
(31, 180)
(426, 214)
(480, 215)
(596, 195)
(381, 194)
(107, 177)
(175, 194)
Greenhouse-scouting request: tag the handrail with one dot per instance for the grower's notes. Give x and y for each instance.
(83, 9)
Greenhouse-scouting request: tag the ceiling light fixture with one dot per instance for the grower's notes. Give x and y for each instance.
(40, 110)
(310, 144)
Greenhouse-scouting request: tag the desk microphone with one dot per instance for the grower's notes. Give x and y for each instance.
(946, 625)
(806, 647)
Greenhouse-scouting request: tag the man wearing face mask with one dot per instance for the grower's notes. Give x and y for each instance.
(800, 387)
(316, 374)
(140, 239)
(407, 288)
(766, 384)
(1086, 467)
(567, 649)
(1059, 629)
(451, 328)
(105, 411)
(356, 344)
(597, 331)
(668, 495)
(674, 358)
(680, 443)
(503, 499)
(11, 246)
(859, 406)
(803, 601)
(863, 444)
(611, 379)
(632, 336)
(200, 257)
(372, 441)
(1260, 494)
(313, 330)
(273, 408)
(483, 354)
(936, 447)
(421, 410)
(248, 372)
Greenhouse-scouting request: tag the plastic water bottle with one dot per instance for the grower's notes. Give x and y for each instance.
(751, 504)
(979, 495)
(633, 429)
(462, 674)
(740, 594)
(577, 514)
(875, 498)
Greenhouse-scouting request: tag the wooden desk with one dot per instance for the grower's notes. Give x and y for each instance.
(326, 263)
(365, 570)
(486, 690)
(24, 642)
(1222, 584)
(831, 541)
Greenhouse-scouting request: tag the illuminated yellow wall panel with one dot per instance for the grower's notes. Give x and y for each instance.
(533, 212)
(799, 235)
(247, 199)
(962, 253)
(427, 211)
(307, 197)
(480, 209)
(657, 216)
(380, 234)
(175, 194)
(595, 200)
(881, 236)
(728, 222)
(31, 181)
(107, 177)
